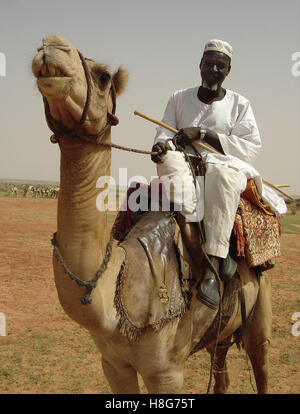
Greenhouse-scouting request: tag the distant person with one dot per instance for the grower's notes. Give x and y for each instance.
(224, 120)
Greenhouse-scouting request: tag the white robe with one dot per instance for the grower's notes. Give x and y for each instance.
(233, 120)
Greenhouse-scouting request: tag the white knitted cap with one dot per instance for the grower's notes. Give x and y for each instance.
(217, 45)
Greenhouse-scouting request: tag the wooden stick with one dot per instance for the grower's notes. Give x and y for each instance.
(155, 121)
(282, 185)
(277, 188)
(200, 144)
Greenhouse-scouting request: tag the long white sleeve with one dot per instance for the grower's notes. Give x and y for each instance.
(169, 118)
(244, 140)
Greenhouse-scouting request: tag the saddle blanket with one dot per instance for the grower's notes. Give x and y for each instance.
(257, 234)
(257, 229)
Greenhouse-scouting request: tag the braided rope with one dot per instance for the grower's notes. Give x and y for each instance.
(89, 284)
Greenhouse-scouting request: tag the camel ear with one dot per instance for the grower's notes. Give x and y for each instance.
(120, 80)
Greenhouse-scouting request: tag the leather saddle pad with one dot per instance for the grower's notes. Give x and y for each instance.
(149, 289)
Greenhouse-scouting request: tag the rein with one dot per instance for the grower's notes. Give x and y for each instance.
(61, 131)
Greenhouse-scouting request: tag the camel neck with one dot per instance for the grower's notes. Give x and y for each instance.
(81, 226)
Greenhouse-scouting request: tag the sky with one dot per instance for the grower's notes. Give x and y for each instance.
(160, 43)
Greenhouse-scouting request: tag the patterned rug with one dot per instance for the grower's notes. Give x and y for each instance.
(257, 233)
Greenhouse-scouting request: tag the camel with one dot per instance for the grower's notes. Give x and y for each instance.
(79, 96)
(54, 192)
(28, 189)
(14, 191)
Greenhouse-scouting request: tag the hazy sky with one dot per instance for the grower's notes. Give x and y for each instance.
(160, 43)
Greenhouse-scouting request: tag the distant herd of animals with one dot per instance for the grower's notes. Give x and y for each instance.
(52, 192)
(34, 191)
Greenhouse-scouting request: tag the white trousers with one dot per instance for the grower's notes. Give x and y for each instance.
(223, 187)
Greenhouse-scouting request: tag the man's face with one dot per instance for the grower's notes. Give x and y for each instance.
(214, 68)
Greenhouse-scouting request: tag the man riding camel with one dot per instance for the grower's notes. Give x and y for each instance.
(223, 120)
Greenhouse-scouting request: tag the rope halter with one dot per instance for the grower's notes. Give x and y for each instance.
(61, 131)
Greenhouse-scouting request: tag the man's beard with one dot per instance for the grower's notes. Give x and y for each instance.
(213, 87)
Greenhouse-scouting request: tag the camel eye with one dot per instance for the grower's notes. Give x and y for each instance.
(104, 78)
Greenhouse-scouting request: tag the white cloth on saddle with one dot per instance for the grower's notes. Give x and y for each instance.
(179, 186)
(233, 120)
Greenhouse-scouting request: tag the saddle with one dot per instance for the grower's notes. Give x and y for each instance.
(152, 299)
(256, 232)
(165, 292)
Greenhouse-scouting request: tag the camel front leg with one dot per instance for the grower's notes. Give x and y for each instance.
(258, 335)
(122, 378)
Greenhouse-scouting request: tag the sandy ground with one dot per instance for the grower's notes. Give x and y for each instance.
(45, 352)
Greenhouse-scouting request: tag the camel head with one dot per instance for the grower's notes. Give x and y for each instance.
(66, 79)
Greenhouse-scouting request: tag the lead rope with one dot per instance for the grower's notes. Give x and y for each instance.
(55, 138)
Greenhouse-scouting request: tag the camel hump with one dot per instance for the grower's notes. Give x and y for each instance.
(149, 289)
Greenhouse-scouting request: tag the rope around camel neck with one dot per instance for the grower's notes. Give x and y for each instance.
(89, 284)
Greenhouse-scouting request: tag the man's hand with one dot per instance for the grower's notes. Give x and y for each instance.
(187, 136)
(161, 148)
